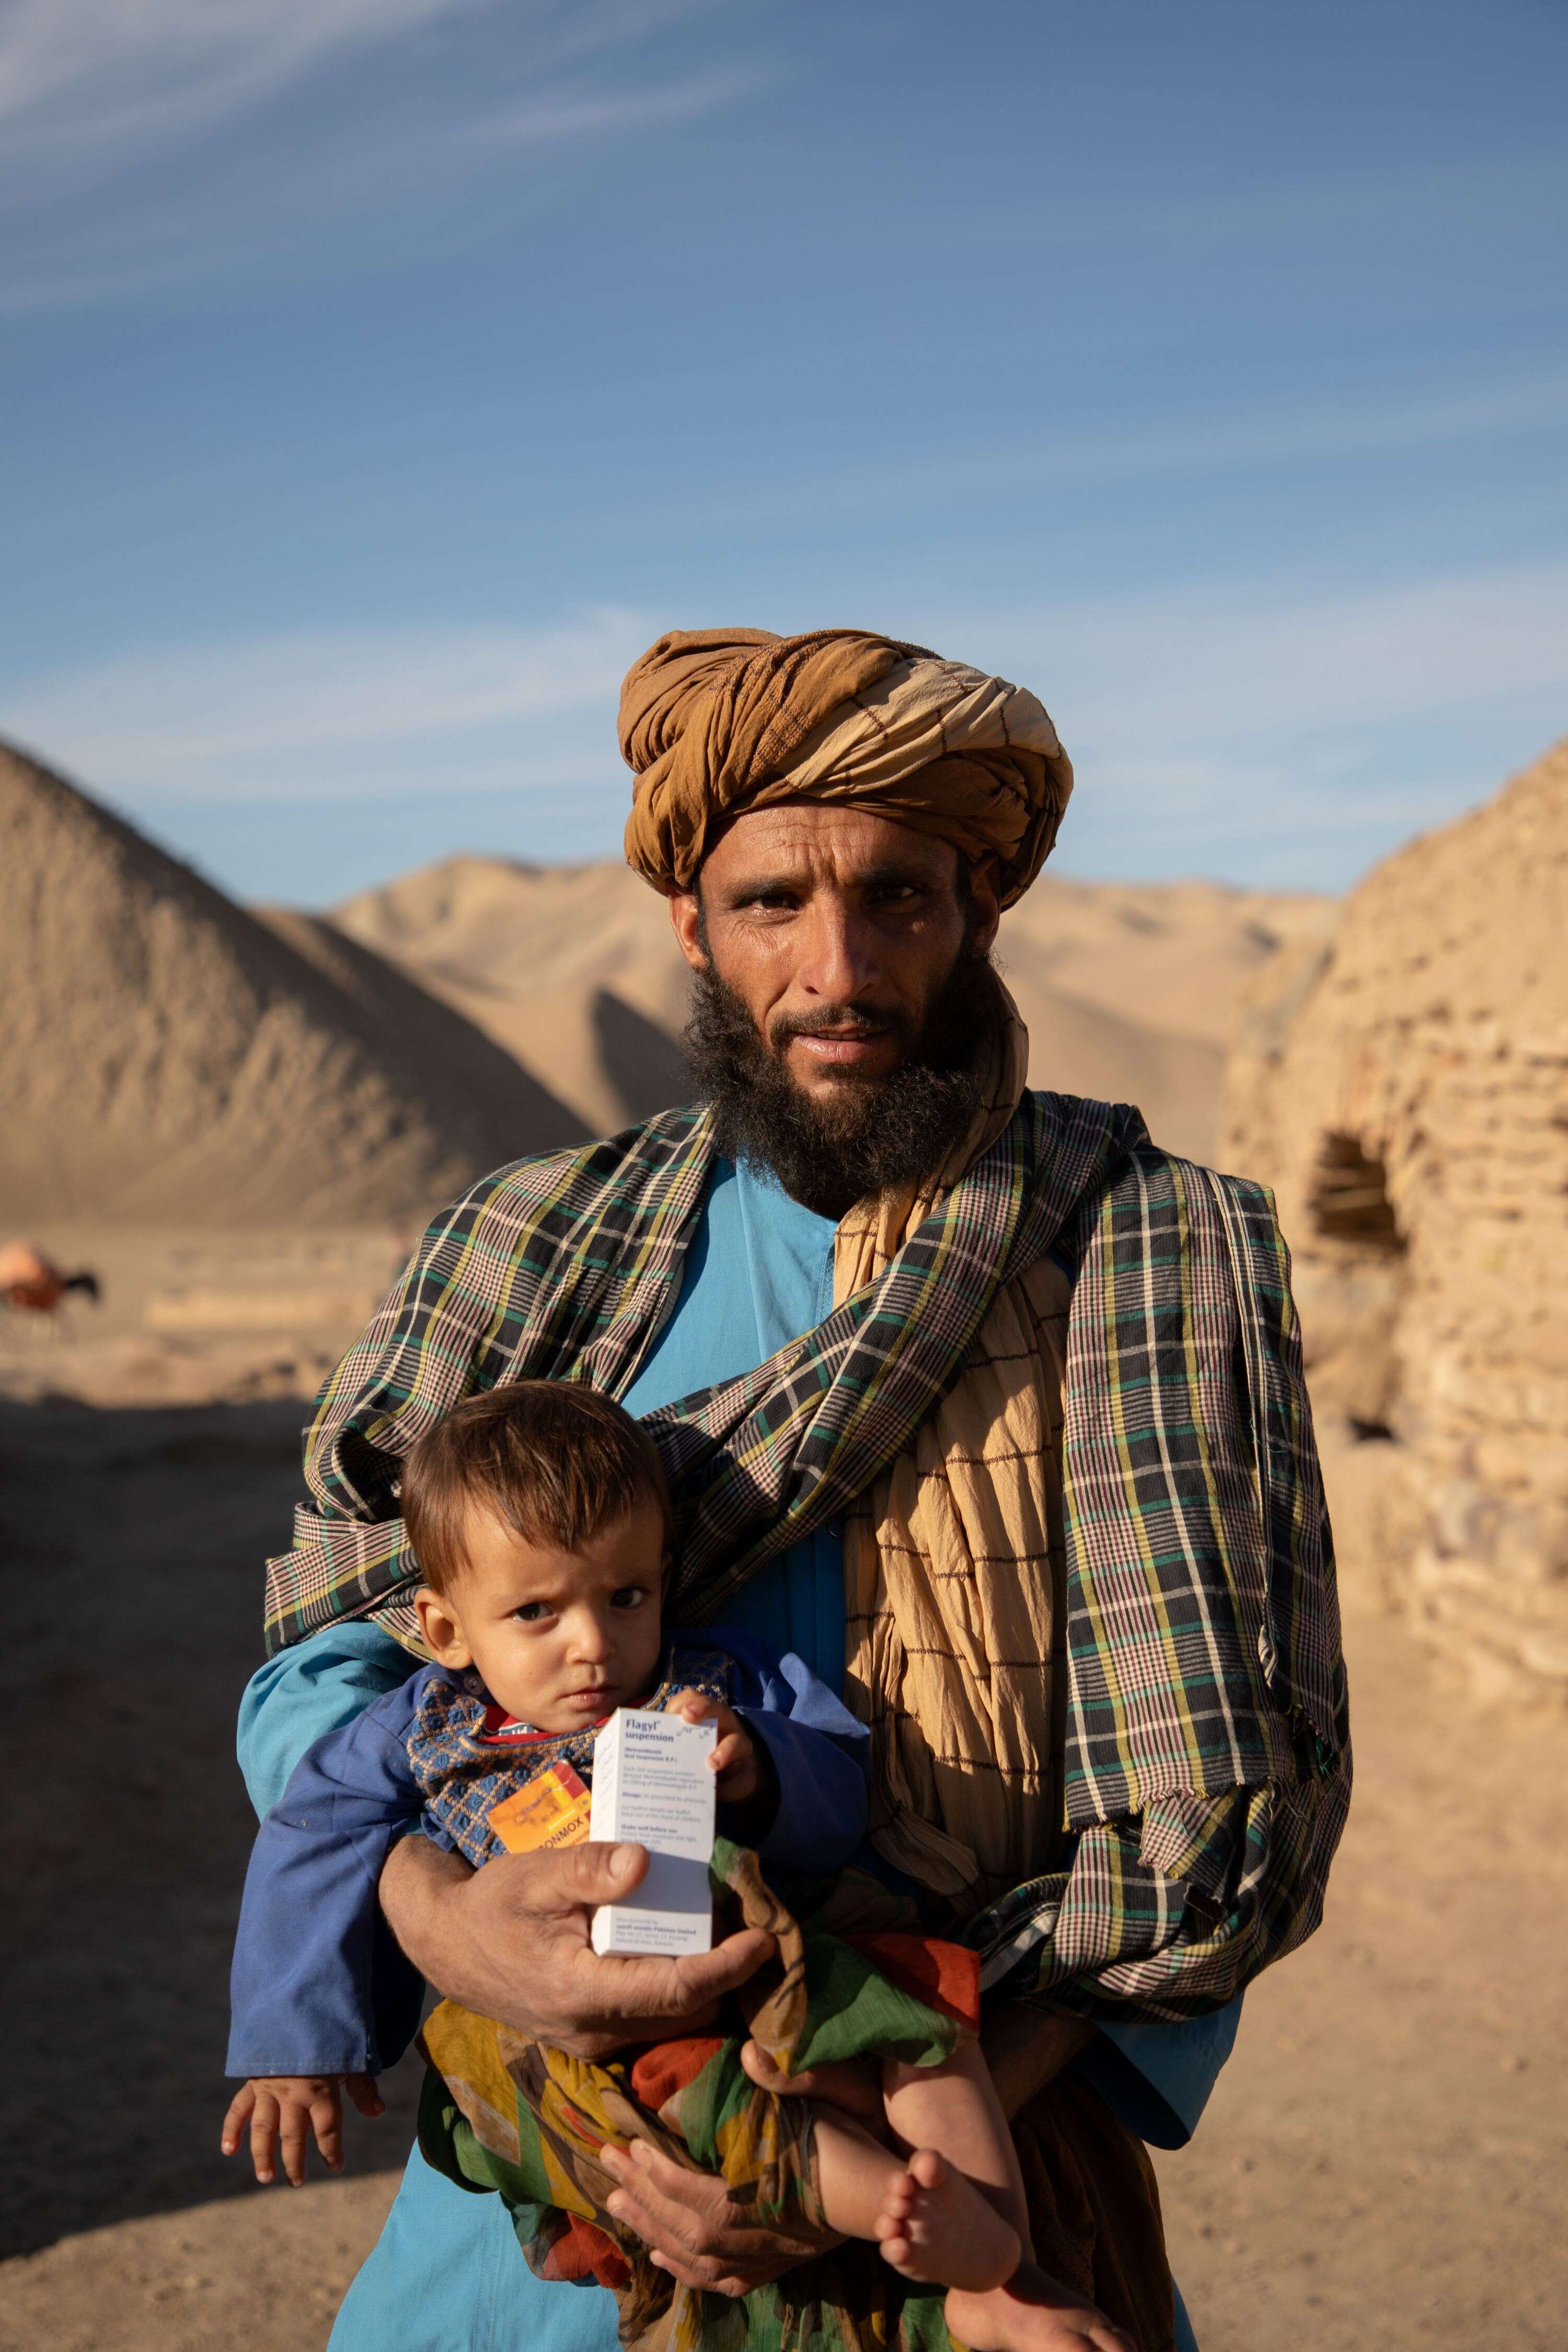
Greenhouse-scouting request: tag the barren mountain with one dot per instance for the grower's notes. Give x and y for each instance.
(167, 1057)
(1129, 991)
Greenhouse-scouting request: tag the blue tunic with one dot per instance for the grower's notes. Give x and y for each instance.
(445, 2275)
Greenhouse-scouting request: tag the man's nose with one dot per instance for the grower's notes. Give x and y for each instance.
(837, 961)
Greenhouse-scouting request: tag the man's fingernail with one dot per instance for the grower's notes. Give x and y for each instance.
(622, 1858)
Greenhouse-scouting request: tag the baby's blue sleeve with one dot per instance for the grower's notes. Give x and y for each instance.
(820, 1755)
(310, 1688)
(319, 1985)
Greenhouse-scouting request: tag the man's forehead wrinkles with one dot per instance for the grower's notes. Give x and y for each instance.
(817, 862)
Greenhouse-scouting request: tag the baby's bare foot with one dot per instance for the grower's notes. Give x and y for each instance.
(1030, 2313)
(934, 2224)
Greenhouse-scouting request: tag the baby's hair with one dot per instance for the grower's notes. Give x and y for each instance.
(551, 1460)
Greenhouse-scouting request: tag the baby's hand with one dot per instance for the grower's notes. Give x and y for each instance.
(286, 2107)
(735, 1757)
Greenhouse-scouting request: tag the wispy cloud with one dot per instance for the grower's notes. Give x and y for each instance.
(100, 76)
(1263, 436)
(1478, 188)
(442, 95)
(279, 716)
(1277, 737)
(531, 122)
(1233, 662)
(1167, 673)
(1251, 714)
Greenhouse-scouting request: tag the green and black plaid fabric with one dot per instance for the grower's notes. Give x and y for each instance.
(1208, 1758)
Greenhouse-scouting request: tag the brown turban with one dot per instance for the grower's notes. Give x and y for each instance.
(717, 720)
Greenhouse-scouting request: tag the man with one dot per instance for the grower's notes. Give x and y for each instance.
(970, 1396)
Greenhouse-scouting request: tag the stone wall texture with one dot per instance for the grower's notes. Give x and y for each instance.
(1405, 1091)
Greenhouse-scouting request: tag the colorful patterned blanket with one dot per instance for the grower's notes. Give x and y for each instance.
(853, 1978)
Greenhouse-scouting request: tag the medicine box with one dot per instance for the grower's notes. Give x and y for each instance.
(546, 1812)
(653, 1787)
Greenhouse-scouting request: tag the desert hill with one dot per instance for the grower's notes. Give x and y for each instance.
(171, 1058)
(1129, 991)
(167, 1056)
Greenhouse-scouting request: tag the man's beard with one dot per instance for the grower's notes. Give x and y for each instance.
(868, 1134)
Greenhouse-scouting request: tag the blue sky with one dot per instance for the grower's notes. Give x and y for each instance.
(378, 376)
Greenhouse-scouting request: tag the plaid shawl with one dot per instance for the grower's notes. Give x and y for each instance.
(1206, 1737)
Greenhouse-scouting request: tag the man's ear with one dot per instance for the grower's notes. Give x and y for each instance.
(686, 915)
(985, 910)
(440, 1630)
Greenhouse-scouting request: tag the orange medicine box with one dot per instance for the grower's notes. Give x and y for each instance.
(550, 1811)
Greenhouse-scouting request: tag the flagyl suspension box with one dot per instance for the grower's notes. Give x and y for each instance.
(653, 1787)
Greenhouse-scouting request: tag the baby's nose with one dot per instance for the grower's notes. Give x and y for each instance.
(591, 1640)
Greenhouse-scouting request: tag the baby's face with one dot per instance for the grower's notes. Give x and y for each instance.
(560, 1638)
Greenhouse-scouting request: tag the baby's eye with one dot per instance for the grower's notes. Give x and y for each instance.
(630, 1596)
(531, 1613)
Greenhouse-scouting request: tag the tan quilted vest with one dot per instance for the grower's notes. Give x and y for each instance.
(954, 1573)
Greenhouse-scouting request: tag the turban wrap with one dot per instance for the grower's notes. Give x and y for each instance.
(714, 721)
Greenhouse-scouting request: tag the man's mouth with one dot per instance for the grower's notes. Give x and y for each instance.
(828, 1047)
(839, 1045)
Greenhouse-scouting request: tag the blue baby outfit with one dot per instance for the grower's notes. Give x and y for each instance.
(319, 1986)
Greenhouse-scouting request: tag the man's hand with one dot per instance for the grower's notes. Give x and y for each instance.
(694, 2228)
(511, 1941)
(855, 2084)
(286, 2108)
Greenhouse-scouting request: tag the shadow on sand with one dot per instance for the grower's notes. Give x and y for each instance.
(133, 1544)
(642, 1062)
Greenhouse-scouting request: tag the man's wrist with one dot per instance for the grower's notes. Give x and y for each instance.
(1025, 2048)
(748, 1823)
(416, 1877)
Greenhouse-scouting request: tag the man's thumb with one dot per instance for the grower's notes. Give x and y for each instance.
(604, 1873)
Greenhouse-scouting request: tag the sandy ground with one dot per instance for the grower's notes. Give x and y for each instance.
(1384, 2163)
(186, 1319)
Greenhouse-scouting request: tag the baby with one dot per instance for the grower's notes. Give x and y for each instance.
(541, 1520)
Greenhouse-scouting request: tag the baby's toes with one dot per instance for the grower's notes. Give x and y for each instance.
(893, 2244)
(927, 2168)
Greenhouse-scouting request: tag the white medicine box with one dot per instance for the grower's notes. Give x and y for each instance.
(653, 1787)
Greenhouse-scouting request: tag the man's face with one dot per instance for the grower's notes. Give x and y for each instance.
(836, 929)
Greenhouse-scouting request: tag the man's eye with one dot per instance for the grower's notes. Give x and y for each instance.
(630, 1596)
(532, 1612)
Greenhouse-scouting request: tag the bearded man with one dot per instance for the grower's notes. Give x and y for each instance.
(970, 1395)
